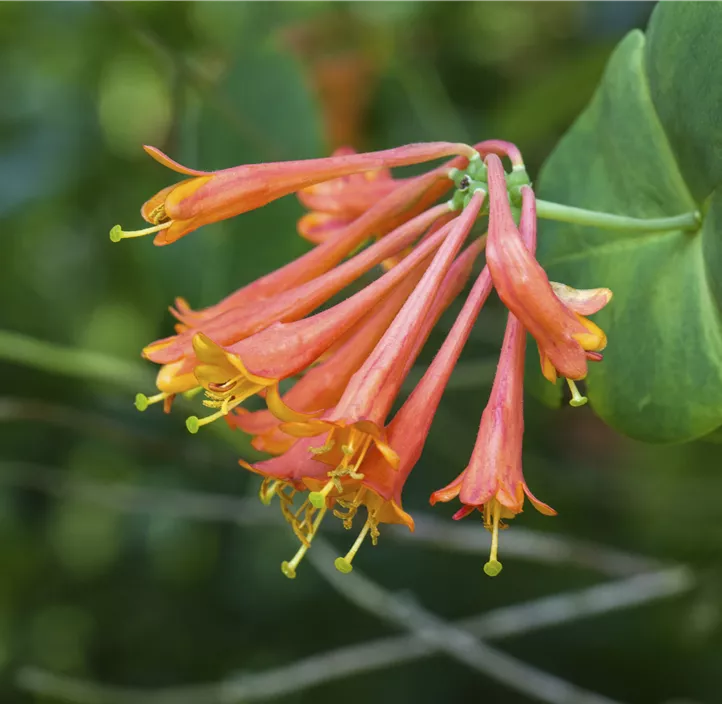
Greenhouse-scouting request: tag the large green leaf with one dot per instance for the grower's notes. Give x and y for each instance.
(649, 145)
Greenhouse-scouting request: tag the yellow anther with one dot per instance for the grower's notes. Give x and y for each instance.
(268, 491)
(577, 398)
(158, 214)
(351, 508)
(323, 448)
(117, 233)
(493, 566)
(318, 498)
(343, 564)
(142, 401)
(289, 567)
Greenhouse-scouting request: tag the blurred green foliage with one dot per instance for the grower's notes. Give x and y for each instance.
(149, 600)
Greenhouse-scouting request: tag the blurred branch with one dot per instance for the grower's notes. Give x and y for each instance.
(528, 544)
(111, 429)
(193, 74)
(447, 638)
(373, 655)
(70, 361)
(249, 512)
(98, 367)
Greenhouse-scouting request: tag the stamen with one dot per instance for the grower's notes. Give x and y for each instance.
(193, 423)
(327, 446)
(158, 214)
(289, 568)
(343, 564)
(493, 566)
(323, 448)
(142, 401)
(318, 498)
(351, 508)
(268, 490)
(577, 398)
(117, 234)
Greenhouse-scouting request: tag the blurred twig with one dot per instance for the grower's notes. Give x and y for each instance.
(113, 430)
(194, 75)
(71, 361)
(98, 367)
(249, 512)
(447, 638)
(373, 655)
(429, 636)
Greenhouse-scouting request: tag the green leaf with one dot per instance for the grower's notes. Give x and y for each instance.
(648, 146)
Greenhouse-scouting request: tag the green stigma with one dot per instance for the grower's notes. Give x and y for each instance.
(193, 424)
(492, 568)
(343, 565)
(317, 499)
(141, 402)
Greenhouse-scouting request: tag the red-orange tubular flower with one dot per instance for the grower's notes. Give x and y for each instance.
(297, 292)
(565, 338)
(408, 430)
(337, 203)
(336, 447)
(327, 255)
(493, 481)
(304, 464)
(321, 388)
(237, 323)
(210, 196)
(232, 374)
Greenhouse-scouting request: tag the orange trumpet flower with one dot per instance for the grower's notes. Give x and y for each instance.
(493, 481)
(564, 337)
(210, 196)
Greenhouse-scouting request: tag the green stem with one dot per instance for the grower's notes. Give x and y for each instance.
(68, 361)
(607, 221)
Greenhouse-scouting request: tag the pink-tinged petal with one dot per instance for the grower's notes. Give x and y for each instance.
(501, 148)
(294, 466)
(327, 255)
(242, 188)
(285, 349)
(582, 301)
(166, 161)
(372, 389)
(235, 324)
(317, 227)
(525, 290)
(408, 430)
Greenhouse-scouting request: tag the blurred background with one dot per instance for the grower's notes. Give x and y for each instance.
(120, 563)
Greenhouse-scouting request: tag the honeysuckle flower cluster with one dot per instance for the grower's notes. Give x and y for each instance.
(334, 444)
